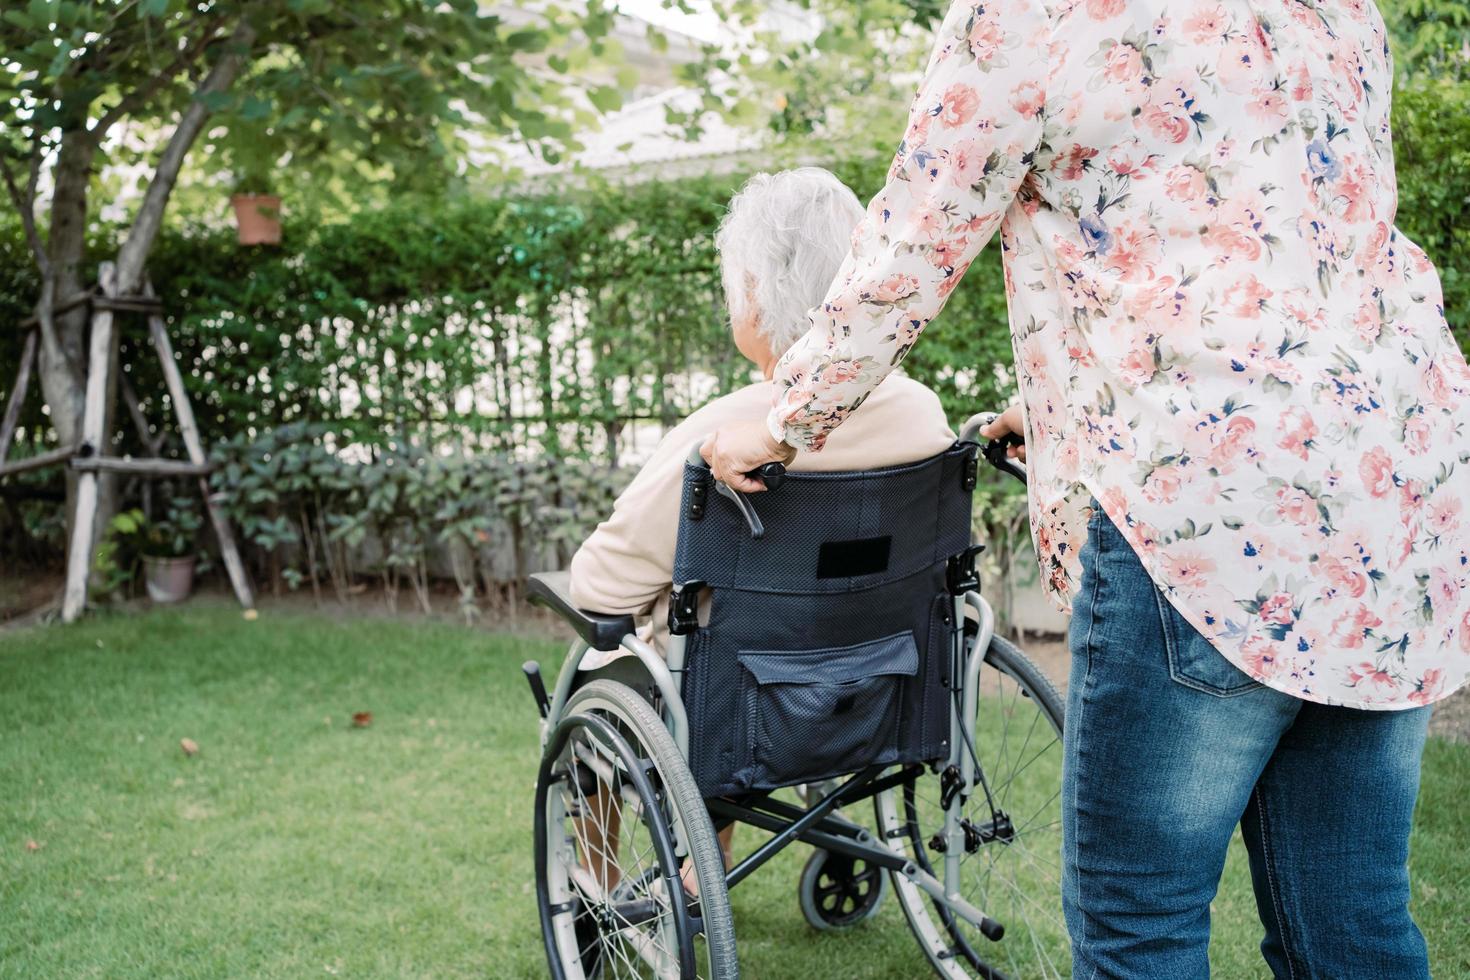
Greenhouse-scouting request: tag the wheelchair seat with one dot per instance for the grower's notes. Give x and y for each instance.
(600, 631)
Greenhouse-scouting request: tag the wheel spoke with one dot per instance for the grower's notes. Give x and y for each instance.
(1011, 776)
(608, 812)
(1015, 874)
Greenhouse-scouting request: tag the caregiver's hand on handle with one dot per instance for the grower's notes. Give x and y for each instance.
(1005, 424)
(741, 448)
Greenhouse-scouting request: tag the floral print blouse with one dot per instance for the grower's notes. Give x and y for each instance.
(1218, 332)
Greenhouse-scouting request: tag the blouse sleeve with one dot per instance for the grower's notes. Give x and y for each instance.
(972, 130)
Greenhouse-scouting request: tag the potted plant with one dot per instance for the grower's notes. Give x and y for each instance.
(167, 549)
(257, 211)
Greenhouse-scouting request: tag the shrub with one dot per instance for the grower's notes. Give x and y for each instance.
(549, 323)
(1431, 136)
(310, 514)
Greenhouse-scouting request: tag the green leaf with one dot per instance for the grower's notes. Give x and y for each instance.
(530, 40)
(254, 107)
(606, 98)
(216, 101)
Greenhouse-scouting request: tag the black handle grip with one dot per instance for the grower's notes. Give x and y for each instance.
(994, 452)
(771, 474)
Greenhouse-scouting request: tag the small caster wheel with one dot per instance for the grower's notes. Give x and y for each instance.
(839, 892)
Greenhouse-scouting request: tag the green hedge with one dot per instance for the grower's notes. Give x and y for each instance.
(548, 323)
(1432, 152)
(310, 516)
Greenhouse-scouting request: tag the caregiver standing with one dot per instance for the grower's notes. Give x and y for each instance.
(1244, 413)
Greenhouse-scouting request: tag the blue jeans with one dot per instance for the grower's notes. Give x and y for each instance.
(1168, 746)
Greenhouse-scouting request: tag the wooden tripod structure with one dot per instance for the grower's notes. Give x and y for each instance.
(89, 458)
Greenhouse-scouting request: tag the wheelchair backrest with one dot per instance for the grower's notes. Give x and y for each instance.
(828, 646)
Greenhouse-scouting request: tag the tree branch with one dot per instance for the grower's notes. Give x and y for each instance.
(26, 205)
(135, 99)
(135, 250)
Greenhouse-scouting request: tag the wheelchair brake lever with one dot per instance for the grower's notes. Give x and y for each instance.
(771, 474)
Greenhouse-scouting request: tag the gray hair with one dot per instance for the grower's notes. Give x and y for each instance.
(781, 244)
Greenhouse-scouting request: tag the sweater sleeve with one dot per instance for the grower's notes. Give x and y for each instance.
(628, 560)
(973, 127)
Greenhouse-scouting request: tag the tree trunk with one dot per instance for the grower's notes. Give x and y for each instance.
(62, 370)
(61, 362)
(63, 336)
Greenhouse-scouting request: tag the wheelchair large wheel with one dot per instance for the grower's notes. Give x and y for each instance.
(1010, 864)
(617, 817)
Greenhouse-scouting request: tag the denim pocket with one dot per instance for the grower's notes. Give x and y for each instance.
(819, 713)
(1194, 661)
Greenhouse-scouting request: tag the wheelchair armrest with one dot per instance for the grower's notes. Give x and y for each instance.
(601, 631)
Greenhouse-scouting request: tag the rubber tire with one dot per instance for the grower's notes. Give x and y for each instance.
(1030, 677)
(688, 805)
(806, 891)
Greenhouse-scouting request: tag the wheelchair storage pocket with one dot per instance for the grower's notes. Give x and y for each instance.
(817, 713)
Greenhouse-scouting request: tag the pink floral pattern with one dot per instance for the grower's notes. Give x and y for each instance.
(1218, 331)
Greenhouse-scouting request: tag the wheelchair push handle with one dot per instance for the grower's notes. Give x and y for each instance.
(994, 450)
(771, 474)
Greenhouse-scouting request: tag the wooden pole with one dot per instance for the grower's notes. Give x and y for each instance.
(150, 466)
(70, 303)
(158, 331)
(151, 441)
(94, 436)
(17, 395)
(36, 462)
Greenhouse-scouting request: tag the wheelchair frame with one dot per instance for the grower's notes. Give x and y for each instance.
(817, 825)
(814, 825)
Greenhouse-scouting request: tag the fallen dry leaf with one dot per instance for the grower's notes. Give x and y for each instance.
(362, 719)
(33, 845)
(189, 746)
(251, 615)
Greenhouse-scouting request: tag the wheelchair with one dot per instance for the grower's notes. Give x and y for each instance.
(829, 646)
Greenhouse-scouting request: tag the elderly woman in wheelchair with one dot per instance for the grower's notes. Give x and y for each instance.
(831, 635)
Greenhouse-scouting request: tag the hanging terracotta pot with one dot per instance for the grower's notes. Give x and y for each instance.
(258, 217)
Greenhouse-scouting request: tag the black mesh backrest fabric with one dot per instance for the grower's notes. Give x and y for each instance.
(849, 584)
(922, 506)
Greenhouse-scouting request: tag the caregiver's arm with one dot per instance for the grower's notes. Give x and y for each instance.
(972, 130)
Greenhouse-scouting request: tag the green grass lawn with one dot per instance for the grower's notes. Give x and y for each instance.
(295, 845)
